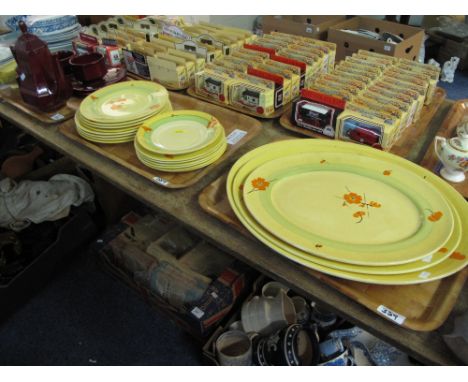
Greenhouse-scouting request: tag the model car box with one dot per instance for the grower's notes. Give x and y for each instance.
(338, 85)
(252, 95)
(409, 78)
(245, 34)
(313, 66)
(335, 92)
(363, 75)
(213, 84)
(299, 66)
(269, 80)
(421, 73)
(401, 87)
(405, 107)
(323, 57)
(199, 63)
(189, 66)
(249, 57)
(284, 74)
(391, 60)
(291, 72)
(205, 37)
(352, 76)
(367, 63)
(361, 85)
(387, 109)
(317, 111)
(370, 71)
(380, 60)
(232, 64)
(348, 43)
(366, 127)
(411, 103)
(416, 64)
(310, 26)
(168, 71)
(329, 45)
(257, 53)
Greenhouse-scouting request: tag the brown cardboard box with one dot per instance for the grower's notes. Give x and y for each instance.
(309, 26)
(347, 43)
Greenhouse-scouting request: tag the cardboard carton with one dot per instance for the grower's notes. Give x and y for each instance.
(348, 43)
(308, 26)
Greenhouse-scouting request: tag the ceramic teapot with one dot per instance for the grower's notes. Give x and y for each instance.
(453, 153)
(41, 79)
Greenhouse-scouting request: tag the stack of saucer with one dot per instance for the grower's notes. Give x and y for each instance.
(114, 113)
(178, 141)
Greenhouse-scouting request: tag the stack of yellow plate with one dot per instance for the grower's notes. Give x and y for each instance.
(114, 113)
(182, 140)
(351, 211)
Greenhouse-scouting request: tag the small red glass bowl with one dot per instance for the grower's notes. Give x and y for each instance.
(88, 67)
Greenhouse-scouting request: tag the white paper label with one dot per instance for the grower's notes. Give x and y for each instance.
(160, 181)
(427, 259)
(235, 136)
(398, 318)
(424, 275)
(57, 117)
(387, 48)
(197, 312)
(308, 30)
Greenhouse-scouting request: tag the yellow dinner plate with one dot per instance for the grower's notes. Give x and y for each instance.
(179, 132)
(342, 206)
(184, 168)
(456, 261)
(183, 158)
(124, 101)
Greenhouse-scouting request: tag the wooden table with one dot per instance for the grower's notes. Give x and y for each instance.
(427, 347)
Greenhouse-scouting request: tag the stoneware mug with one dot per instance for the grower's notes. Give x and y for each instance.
(234, 348)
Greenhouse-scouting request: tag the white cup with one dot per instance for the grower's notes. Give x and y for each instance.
(234, 348)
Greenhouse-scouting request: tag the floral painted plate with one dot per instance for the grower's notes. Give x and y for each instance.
(124, 102)
(349, 207)
(179, 132)
(443, 263)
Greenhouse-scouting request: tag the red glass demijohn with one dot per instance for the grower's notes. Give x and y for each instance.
(41, 80)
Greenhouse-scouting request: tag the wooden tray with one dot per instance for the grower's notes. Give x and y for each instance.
(124, 153)
(426, 306)
(276, 114)
(403, 145)
(12, 96)
(457, 113)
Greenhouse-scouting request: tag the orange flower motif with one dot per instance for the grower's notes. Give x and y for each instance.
(435, 216)
(169, 156)
(212, 123)
(318, 245)
(375, 204)
(322, 161)
(146, 128)
(93, 97)
(116, 107)
(457, 256)
(352, 198)
(260, 184)
(359, 214)
(241, 187)
(443, 250)
(387, 172)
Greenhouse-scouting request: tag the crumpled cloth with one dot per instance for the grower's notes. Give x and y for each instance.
(29, 201)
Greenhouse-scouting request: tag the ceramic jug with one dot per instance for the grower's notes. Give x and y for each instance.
(453, 153)
(41, 80)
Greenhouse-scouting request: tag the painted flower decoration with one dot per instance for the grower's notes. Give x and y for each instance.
(435, 216)
(260, 184)
(375, 204)
(387, 172)
(353, 198)
(457, 256)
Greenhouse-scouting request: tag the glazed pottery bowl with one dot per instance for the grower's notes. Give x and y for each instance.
(88, 67)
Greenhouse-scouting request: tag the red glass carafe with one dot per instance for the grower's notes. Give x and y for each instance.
(41, 79)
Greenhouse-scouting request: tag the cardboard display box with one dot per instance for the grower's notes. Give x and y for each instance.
(309, 26)
(348, 43)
